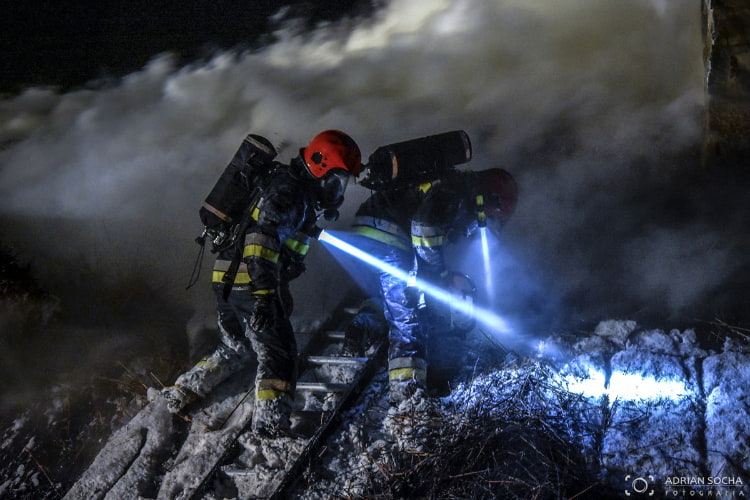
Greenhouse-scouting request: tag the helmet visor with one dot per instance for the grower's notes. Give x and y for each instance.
(332, 187)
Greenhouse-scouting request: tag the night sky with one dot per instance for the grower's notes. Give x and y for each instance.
(70, 44)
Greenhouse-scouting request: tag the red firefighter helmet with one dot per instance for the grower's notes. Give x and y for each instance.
(497, 196)
(329, 150)
(332, 157)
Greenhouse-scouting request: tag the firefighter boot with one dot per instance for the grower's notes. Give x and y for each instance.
(271, 416)
(407, 379)
(400, 391)
(178, 397)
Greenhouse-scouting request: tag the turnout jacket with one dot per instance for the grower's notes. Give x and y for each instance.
(412, 225)
(275, 242)
(423, 218)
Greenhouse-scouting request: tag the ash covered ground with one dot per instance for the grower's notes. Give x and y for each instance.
(618, 409)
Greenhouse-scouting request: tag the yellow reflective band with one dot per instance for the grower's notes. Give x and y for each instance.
(402, 374)
(222, 266)
(206, 365)
(261, 246)
(297, 246)
(261, 252)
(255, 213)
(426, 186)
(382, 236)
(265, 291)
(265, 394)
(427, 241)
(378, 223)
(481, 214)
(239, 279)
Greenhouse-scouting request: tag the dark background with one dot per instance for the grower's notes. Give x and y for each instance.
(69, 44)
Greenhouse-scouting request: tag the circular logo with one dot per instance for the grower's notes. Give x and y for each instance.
(640, 485)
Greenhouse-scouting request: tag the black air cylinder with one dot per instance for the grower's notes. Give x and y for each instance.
(417, 160)
(231, 193)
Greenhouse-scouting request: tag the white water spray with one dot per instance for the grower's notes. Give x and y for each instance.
(489, 319)
(488, 280)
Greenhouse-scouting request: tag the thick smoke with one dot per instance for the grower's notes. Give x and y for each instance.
(588, 103)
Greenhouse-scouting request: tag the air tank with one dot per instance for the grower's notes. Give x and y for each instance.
(416, 161)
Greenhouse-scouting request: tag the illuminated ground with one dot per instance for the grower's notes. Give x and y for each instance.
(629, 409)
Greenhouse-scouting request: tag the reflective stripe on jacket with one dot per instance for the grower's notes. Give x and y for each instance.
(275, 236)
(381, 230)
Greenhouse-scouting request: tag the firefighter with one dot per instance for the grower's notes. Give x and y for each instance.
(408, 227)
(254, 315)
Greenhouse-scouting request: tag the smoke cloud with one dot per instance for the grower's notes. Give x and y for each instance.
(594, 106)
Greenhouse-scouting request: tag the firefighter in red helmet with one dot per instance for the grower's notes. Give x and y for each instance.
(407, 225)
(253, 302)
